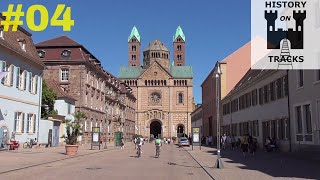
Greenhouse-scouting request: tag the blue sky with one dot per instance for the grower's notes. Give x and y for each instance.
(213, 29)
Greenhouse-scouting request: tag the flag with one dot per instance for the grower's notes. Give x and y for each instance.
(3, 74)
(136, 128)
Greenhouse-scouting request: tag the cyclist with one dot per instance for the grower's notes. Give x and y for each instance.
(158, 144)
(139, 144)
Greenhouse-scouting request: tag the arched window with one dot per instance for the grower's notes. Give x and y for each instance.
(134, 48)
(180, 98)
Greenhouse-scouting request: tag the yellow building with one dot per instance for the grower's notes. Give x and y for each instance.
(164, 90)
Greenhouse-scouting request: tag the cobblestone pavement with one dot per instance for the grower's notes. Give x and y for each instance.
(51, 164)
(259, 167)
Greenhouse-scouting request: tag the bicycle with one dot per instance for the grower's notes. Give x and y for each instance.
(157, 151)
(139, 151)
(29, 144)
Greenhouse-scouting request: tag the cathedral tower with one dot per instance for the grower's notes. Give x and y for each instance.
(179, 53)
(134, 47)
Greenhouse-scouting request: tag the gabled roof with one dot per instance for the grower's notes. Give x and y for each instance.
(59, 41)
(10, 42)
(130, 72)
(179, 32)
(54, 85)
(134, 33)
(181, 71)
(156, 63)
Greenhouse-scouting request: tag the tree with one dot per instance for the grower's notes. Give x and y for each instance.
(79, 116)
(48, 99)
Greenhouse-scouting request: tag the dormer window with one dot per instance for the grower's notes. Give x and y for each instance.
(1, 32)
(22, 43)
(41, 53)
(66, 53)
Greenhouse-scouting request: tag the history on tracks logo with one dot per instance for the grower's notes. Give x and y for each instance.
(285, 34)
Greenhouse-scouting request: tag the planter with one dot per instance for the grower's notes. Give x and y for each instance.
(71, 150)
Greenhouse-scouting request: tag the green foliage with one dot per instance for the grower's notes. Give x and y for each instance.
(73, 128)
(79, 116)
(48, 98)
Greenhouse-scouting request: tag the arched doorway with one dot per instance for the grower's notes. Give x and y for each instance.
(155, 129)
(180, 130)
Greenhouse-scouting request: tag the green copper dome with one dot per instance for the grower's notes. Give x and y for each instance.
(180, 33)
(134, 33)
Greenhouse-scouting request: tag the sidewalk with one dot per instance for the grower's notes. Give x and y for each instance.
(21, 158)
(261, 166)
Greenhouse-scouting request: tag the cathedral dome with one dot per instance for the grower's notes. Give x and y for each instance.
(156, 45)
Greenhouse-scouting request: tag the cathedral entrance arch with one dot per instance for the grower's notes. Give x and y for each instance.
(180, 130)
(155, 128)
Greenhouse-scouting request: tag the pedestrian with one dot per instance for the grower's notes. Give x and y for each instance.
(210, 140)
(224, 141)
(244, 145)
(233, 142)
(122, 143)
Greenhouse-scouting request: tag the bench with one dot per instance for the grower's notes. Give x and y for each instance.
(12, 145)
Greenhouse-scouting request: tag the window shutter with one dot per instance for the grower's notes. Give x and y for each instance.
(15, 121)
(3, 68)
(36, 85)
(10, 77)
(34, 123)
(30, 81)
(22, 123)
(28, 125)
(24, 80)
(18, 77)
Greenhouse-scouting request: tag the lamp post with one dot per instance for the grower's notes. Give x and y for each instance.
(217, 74)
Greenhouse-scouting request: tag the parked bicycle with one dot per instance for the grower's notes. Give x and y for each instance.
(30, 143)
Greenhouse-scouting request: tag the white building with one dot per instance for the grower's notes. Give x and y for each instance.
(196, 118)
(258, 105)
(20, 89)
(53, 128)
(305, 108)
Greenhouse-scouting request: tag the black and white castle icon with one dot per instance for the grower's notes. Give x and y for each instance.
(280, 36)
(275, 37)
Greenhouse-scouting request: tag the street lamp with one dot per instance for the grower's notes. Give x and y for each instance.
(217, 74)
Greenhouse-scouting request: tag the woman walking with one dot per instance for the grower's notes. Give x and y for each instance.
(244, 145)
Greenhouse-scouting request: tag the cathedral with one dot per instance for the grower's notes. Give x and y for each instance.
(164, 89)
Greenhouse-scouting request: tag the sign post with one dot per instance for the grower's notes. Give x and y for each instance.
(95, 141)
(196, 136)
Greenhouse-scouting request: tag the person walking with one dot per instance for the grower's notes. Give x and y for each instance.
(233, 142)
(122, 143)
(224, 141)
(244, 145)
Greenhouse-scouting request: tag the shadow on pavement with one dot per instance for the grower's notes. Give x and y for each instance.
(274, 164)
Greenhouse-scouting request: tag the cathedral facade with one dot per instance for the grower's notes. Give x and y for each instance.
(163, 89)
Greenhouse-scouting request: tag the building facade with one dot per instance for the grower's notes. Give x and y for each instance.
(20, 88)
(164, 90)
(54, 127)
(196, 118)
(304, 101)
(258, 106)
(233, 68)
(99, 94)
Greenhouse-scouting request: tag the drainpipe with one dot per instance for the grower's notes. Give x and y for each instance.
(289, 119)
(39, 107)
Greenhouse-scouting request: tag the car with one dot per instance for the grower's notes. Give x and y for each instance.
(183, 141)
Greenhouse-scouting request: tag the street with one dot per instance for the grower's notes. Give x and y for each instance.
(174, 163)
